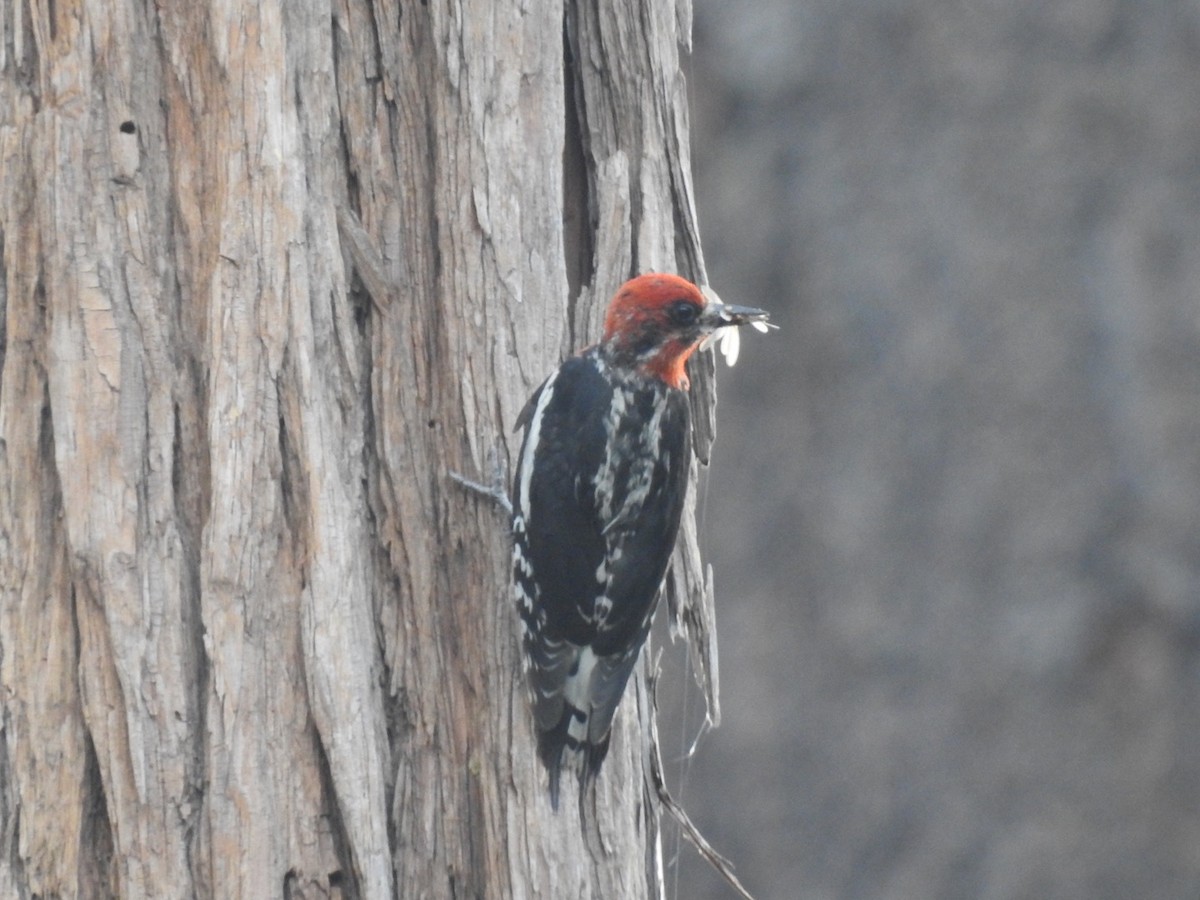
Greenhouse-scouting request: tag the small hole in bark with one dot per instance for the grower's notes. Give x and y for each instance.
(128, 127)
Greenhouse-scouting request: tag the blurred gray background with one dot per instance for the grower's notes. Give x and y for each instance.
(954, 509)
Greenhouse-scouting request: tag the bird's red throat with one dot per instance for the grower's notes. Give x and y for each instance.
(669, 364)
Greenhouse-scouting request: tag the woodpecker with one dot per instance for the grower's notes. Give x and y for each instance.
(598, 493)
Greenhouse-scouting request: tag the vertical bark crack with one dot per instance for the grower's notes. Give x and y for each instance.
(579, 214)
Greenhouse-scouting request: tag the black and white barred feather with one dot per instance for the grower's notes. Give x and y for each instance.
(599, 491)
(598, 495)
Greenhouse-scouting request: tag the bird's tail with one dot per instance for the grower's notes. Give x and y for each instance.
(561, 746)
(574, 712)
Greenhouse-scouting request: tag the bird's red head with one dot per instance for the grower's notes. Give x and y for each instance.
(654, 323)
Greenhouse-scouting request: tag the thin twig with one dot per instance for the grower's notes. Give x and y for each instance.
(723, 866)
(496, 491)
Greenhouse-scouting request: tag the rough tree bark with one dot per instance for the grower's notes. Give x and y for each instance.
(253, 643)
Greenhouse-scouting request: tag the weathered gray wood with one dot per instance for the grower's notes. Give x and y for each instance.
(253, 641)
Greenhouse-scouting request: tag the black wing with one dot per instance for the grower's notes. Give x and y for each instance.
(597, 505)
(554, 513)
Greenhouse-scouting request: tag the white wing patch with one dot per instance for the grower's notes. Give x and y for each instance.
(578, 693)
(639, 449)
(532, 439)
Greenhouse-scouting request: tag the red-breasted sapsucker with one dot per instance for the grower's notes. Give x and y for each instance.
(598, 494)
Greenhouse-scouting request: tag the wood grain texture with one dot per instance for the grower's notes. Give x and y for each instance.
(253, 642)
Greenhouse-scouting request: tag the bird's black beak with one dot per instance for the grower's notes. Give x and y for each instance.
(722, 315)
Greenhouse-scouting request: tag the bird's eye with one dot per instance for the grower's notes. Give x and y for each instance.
(684, 312)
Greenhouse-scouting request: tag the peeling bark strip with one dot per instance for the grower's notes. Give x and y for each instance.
(252, 642)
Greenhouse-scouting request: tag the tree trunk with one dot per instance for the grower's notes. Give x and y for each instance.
(253, 642)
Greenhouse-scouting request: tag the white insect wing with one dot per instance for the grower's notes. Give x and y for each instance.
(728, 341)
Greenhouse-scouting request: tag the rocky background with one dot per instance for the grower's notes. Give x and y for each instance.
(954, 509)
